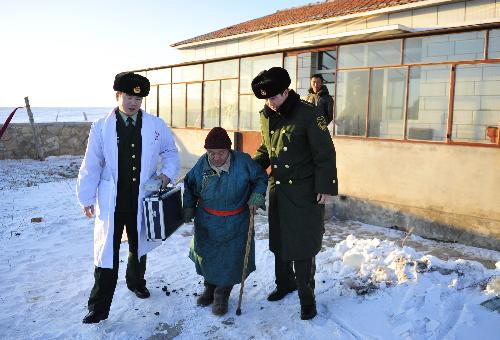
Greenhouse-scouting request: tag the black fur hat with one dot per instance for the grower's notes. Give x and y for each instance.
(269, 83)
(131, 83)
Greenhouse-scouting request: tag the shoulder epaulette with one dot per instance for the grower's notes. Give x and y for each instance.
(308, 103)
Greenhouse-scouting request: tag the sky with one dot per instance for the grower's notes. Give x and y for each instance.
(67, 52)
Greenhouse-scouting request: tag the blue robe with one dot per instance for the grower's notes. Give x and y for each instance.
(219, 242)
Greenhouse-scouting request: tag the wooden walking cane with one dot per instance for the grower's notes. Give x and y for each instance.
(245, 262)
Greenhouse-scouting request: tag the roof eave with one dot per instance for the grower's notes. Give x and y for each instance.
(399, 8)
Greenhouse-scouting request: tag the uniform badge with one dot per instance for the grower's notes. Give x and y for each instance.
(137, 89)
(321, 121)
(263, 92)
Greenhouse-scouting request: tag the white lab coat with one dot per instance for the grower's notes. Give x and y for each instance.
(98, 178)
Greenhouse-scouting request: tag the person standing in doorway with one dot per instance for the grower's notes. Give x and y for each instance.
(320, 97)
(298, 148)
(122, 153)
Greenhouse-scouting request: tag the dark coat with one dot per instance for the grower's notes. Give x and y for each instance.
(298, 147)
(323, 102)
(219, 242)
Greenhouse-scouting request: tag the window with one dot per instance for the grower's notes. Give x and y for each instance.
(211, 104)
(152, 100)
(445, 47)
(351, 102)
(326, 64)
(370, 54)
(476, 106)
(290, 64)
(165, 103)
(249, 104)
(194, 105)
(229, 104)
(494, 44)
(187, 73)
(251, 67)
(179, 105)
(428, 97)
(250, 107)
(221, 70)
(160, 76)
(387, 101)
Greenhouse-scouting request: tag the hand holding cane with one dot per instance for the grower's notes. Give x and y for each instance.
(245, 261)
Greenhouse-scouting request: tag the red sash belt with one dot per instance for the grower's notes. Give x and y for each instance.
(225, 212)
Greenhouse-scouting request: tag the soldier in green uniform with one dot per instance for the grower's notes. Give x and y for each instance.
(298, 148)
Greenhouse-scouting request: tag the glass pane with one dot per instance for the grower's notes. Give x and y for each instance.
(161, 76)
(370, 54)
(229, 103)
(152, 101)
(476, 107)
(351, 102)
(251, 67)
(387, 100)
(446, 47)
(187, 73)
(327, 60)
(290, 64)
(494, 44)
(179, 105)
(165, 103)
(222, 69)
(211, 104)
(428, 93)
(194, 105)
(250, 107)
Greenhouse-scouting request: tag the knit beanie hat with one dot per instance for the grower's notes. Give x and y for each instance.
(217, 138)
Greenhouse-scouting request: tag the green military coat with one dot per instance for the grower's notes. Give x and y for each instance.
(297, 146)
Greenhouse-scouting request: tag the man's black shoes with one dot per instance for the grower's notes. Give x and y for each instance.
(95, 317)
(308, 312)
(141, 292)
(280, 293)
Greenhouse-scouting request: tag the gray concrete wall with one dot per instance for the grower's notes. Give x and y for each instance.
(442, 191)
(56, 139)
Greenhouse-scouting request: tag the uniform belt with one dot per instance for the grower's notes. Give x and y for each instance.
(225, 212)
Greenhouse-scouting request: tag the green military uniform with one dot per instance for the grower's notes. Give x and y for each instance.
(297, 146)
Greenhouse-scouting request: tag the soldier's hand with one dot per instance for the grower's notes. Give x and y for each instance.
(164, 180)
(322, 198)
(89, 211)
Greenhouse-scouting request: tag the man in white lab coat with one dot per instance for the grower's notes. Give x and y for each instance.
(122, 154)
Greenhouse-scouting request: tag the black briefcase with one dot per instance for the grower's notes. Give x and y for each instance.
(162, 213)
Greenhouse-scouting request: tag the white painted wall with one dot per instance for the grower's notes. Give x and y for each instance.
(459, 180)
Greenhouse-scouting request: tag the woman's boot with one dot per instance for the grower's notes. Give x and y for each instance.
(207, 297)
(221, 298)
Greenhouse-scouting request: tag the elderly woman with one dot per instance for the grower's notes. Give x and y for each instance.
(219, 192)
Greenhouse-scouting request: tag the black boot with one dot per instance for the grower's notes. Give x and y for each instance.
(308, 312)
(95, 317)
(221, 299)
(279, 293)
(141, 292)
(207, 297)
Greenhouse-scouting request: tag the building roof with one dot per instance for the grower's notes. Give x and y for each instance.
(296, 15)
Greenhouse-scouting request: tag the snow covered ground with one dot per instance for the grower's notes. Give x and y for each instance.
(366, 287)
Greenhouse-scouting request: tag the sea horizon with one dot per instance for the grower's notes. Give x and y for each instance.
(50, 114)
